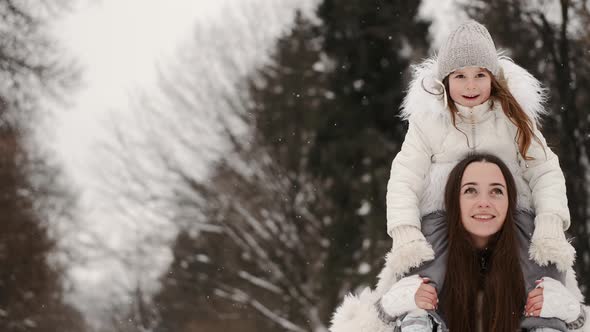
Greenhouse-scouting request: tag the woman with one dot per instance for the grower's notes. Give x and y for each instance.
(483, 284)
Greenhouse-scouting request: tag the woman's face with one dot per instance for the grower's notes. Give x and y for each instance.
(483, 201)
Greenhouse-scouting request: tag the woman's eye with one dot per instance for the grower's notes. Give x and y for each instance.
(497, 191)
(470, 190)
(480, 75)
(459, 76)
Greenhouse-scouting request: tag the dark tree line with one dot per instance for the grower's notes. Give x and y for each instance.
(31, 291)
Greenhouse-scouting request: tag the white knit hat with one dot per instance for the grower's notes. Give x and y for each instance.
(469, 45)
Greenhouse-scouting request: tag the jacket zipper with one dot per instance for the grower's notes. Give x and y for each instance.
(472, 130)
(519, 156)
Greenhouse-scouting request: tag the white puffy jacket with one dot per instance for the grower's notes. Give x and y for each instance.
(433, 146)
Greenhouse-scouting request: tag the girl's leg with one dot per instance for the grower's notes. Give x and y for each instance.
(434, 228)
(416, 322)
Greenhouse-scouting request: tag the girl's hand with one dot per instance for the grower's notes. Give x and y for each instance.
(426, 297)
(534, 302)
(552, 299)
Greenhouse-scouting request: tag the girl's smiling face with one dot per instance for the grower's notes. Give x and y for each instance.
(483, 201)
(470, 86)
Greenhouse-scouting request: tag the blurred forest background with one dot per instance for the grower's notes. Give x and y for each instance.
(289, 214)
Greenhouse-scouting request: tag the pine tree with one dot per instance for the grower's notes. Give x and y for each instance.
(371, 45)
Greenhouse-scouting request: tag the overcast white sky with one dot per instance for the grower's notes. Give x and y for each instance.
(118, 44)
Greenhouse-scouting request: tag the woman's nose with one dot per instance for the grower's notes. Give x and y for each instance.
(484, 202)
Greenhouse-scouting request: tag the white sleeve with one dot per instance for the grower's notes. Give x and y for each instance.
(547, 182)
(406, 181)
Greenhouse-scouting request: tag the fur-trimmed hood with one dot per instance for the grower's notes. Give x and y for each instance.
(525, 88)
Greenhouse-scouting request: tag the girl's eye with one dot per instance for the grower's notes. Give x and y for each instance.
(480, 75)
(459, 76)
(470, 190)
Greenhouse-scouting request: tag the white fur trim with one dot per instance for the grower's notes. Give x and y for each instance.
(358, 314)
(400, 260)
(525, 88)
(545, 251)
(388, 276)
(421, 101)
(549, 245)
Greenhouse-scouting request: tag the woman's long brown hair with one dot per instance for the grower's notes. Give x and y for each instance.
(502, 285)
(511, 108)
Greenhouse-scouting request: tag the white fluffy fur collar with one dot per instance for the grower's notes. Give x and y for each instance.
(524, 87)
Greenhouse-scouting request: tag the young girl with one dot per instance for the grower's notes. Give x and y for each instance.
(471, 100)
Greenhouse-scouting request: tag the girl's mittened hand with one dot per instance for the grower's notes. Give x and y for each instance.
(549, 245)
(410, 248)
(558, 301)
(400, 298)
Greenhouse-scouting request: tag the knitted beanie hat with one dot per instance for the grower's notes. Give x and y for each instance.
(469, 45)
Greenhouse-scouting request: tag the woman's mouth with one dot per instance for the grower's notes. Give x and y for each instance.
(483, 217)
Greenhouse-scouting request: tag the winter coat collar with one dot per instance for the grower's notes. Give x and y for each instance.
(474, 114)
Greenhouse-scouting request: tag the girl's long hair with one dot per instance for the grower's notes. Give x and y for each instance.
(502, 284)
(511, 108)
